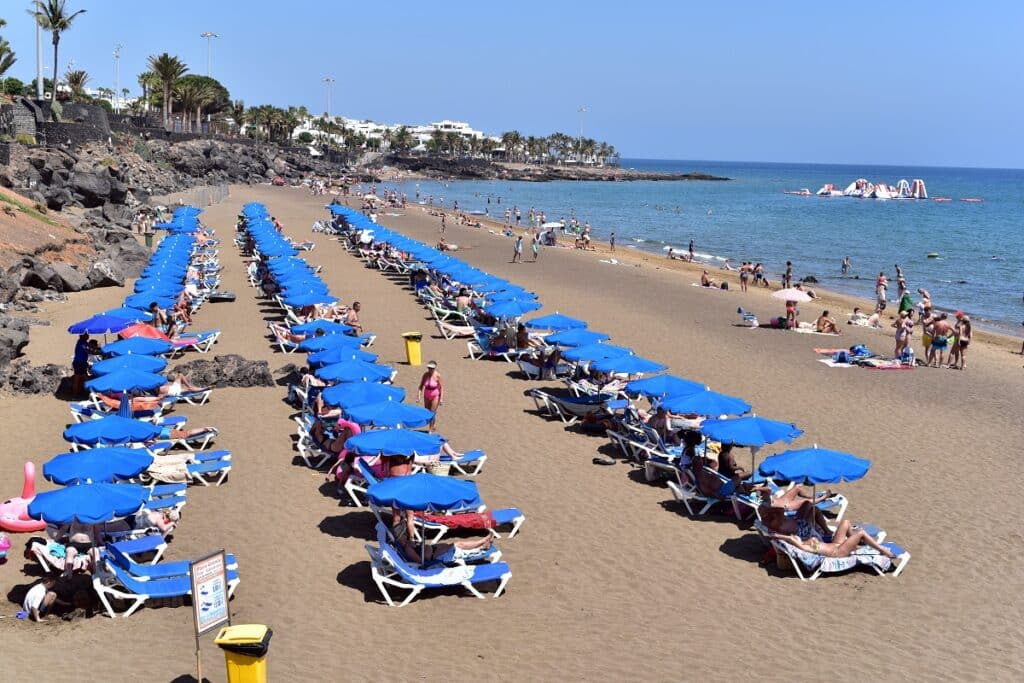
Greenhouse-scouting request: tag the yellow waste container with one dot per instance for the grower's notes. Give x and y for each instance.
(245, 652)
(413, 347)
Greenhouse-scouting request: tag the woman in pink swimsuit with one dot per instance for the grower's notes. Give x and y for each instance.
(431, 391)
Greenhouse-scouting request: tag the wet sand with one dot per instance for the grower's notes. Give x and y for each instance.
(611, 581)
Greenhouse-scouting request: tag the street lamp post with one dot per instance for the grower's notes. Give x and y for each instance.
(39, 57)
(328, 80)
(579, 143)
(117, 77)
(209, 35)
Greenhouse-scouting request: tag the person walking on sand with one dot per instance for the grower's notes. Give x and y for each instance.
(787, 279)
(535, 246)
(881, 284)
(745, 269)
(517, 250)
(444, 223)
(431, 391)
(611, 241)
(691, 250)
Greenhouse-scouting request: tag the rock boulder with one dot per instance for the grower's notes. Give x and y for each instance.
(227, 371)
(70, 279)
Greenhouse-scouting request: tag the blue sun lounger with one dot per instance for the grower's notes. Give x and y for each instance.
(118, 584)
(389, 569)
(162, 570)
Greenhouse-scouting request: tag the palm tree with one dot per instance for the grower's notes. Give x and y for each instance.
(7, 58)
(54, 17)
(76, 81)
(168, 69)
(149, 82)
(402, 139)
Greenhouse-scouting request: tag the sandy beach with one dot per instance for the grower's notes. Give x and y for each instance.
(611, 580)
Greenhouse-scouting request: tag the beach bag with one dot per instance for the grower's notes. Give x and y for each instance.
(725, 286)
(860, 350)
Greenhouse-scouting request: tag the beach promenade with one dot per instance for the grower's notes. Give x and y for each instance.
(611, 580)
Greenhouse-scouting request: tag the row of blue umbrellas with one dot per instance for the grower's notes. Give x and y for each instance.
(90, 494)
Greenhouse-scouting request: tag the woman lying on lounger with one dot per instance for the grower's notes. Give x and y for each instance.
(56, 555)
(176, 386)
(808, 531)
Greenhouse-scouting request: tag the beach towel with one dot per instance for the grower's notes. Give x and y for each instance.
(832, 364)
(466, 520)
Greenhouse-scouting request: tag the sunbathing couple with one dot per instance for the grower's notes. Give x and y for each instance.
(808, 531)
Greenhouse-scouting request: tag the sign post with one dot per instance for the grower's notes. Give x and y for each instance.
(209, 598)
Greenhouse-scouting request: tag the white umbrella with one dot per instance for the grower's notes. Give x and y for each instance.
(792, 294)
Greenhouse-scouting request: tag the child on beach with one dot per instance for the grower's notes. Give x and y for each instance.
(517, 252)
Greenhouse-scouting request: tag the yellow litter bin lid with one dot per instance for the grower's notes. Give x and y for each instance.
(412, 336)
(251, 639)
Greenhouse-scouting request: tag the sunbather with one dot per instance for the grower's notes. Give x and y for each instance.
(464, 548)
(826, 324)
(839, 546)
(56, 555)
(80, 539)
(176, 386)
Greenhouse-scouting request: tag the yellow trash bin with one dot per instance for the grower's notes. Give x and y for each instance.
(245, 652)
(413, 347)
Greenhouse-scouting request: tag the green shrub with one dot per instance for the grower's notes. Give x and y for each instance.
(58, 110)
(25, 139)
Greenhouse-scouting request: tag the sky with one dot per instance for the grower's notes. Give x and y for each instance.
(906, 83)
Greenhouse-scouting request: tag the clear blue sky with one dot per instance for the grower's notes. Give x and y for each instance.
(907, 82)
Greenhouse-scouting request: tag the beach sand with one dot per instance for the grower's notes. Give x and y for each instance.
(611, 581)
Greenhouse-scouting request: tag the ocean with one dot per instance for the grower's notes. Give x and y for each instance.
(980, 267)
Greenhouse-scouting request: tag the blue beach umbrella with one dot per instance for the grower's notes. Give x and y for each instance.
(144, 301)
(329, 341)
(427, 492)
(88, 503)
(137, 345)
(750, 431)
(815, 465)
(126, 380)
(592, 352)
(113, 430)
(626, 365)
(352, 394)
(389, 414)
(576, 337)
(354, 371)
(100, 324)
(512, 309)
(133, 314)
(328, 326)
(661, 386)
(555, 321)
(706, 403)
(309, 299)
(96, 465)
(395, 442)
(340, 355)
(133, 361)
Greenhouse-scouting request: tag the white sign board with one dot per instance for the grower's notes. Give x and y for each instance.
(209, 592)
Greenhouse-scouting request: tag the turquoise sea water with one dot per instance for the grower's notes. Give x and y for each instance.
(981, 264)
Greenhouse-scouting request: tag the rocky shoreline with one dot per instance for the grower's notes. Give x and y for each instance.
(68, 214)
(445, 168)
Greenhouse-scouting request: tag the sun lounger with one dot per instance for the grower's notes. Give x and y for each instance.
(809, 566)
(307, 447)
(389, 569)
(572, 409)
(479, 349)
(163, 570)
(469, 463)
(198, 341)
(453, 330)
(116, 583)
(689, 494)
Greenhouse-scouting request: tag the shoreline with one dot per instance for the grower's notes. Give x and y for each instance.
(839, 304)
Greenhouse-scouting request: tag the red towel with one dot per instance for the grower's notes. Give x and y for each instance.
(465, 520)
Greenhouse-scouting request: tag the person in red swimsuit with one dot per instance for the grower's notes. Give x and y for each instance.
(431, 391)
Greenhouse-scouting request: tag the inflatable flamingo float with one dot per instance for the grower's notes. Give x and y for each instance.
(14, 512)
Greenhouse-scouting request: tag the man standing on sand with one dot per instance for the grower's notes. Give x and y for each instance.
(508, 216)
(787, 279)
(611, 240)
(444, 223)
(517, 252)
(519, 216)
(535, 246)
(941, 332)
(691, 250)
(745, 269)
